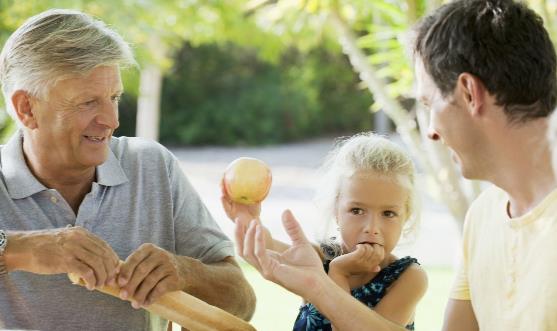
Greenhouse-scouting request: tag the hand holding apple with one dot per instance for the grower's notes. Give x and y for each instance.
(247, 180)
(244, 185)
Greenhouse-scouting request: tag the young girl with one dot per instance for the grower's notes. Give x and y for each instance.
(367, 191)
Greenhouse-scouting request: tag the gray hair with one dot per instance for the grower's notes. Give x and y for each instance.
(54, 45)
(367, 152)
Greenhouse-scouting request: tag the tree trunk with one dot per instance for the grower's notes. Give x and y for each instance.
(434, 158)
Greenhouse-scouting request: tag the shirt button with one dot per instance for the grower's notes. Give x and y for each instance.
(53, 199)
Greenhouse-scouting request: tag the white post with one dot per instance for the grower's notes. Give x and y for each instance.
(148, 103)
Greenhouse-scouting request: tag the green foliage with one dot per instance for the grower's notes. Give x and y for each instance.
(225, 94)
(344, 105)
(7, 126)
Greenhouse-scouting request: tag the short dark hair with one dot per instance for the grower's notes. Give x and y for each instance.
(502, 42)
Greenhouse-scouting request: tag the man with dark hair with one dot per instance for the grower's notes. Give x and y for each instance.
(486, 69)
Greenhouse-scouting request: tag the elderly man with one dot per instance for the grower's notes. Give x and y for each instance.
(74, 199)
(486, 70)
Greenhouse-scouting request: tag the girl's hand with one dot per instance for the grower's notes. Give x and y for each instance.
(238, 211)
(242, 215)
(364, 260)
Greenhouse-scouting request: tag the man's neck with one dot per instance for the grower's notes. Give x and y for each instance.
(523, 168)
(72, 183)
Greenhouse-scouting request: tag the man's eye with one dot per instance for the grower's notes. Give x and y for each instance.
(356, 211)
(90, 103)
(116, 98)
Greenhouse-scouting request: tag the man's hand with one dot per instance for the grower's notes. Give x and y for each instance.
(68, 250)
(298, 268)
(364, 260)
(147, 274)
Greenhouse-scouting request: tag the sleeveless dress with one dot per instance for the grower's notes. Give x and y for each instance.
(310, 319)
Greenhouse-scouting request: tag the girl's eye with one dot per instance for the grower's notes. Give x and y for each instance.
(389, 214)
(356, 211)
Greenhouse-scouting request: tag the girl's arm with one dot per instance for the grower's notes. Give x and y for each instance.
(242, 215)
(399, 304)
(364, 260)
(299, 270)
(273, 244)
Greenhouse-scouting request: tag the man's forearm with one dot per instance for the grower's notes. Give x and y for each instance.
(220, 284)
(354, 316)
(15, 255)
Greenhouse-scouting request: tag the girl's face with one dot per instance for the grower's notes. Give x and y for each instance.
(371, 209)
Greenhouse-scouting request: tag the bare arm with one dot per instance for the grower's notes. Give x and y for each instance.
(399, 304)
(459, 316)
(66, 250)
(151, 271)
(220, 284)
(299, 270)
(353, 316)
(364, 260)
(242, 215)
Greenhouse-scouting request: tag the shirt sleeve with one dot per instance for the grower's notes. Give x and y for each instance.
(196, 232)
(461, 289)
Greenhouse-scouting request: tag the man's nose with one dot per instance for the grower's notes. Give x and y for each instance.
(108, 116)
(433, 135)
(431, 132)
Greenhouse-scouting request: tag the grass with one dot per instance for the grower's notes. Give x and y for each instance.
(277, 308)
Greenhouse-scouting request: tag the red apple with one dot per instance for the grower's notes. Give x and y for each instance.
(247, 180)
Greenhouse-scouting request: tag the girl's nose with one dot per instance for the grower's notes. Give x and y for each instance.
(372, 226)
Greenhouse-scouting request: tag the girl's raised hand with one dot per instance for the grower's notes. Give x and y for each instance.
(240, 214)
(235, 210)
(364, 259)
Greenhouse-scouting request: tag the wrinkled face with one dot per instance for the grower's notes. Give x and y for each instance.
(75, 122)
(451, 123)
(371, 209)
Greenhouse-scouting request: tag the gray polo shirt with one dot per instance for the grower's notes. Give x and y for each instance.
(140, 196)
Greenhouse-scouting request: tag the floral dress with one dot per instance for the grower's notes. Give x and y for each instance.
(310, 319)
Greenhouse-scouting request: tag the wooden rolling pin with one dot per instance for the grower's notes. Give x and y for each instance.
(186, 310)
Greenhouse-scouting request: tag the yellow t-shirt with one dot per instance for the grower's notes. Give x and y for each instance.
(509, 267)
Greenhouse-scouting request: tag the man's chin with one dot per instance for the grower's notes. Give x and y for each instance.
(96, 159)
(464, 171)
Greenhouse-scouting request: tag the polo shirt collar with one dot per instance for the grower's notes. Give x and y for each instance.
(21, 183)
(110, 173)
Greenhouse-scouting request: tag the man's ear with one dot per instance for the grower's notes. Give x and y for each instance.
(23, 105)
(473, 93)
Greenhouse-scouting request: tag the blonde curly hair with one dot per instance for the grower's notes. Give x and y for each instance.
(362, 152)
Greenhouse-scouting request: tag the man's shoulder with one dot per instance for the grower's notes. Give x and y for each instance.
(135, 144)
(135, 147)
(140, 155)
(487, 205)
